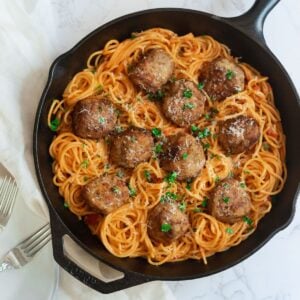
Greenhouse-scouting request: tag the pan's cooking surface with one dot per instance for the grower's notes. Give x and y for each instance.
(180, 21)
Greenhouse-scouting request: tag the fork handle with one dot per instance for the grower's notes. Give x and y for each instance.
(5, 265)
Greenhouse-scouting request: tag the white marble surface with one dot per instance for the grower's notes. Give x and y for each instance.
(32, 34)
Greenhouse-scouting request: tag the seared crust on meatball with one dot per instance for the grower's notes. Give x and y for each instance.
(183, 154)
(105, 193)
(152, 71)
(238, 134)
(229, 202)
(184, 103)
(93, 117)
(222, 78)
(166, 222)
(131, 147)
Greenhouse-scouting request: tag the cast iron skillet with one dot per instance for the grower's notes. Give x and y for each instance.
(244, 36)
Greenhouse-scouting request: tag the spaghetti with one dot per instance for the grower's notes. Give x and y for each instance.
(77, 161)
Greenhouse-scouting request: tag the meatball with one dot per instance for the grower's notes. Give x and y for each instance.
(184, 103)
(222, 78)
(166, 222)
(105, 193)
(183, 154)
(229, 202)
(236, 135)
(93, 117)
(152, 71)
(131, 147)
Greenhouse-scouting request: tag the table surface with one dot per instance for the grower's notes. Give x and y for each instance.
(271, 273)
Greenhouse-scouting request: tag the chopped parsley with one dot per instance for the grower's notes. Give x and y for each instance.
(217, 179)
(206, 146)
(171, 177)
(156, 96)
(168, 197)
(266, 146)
(85, 164)
(214, 136)
(147, 175)
(188, 106)
(182, 206)
(187, 93)
(229, 230)
(200, 86)
(120, 174)
(133, 36)
(226, 199)
(247, 220)
(229, 74)
(156, 132)
(230, 174)
(204, 202)
(212, 156)
(116, 190)
(54, 124)
(99, 88)
(226, 185)
(207, 116)
(246, 171)
(197, 209)
(102, 120)
(194, 128)
(119, 129)
(165, 227)
(158, 148)
(132, 191)
(184, 156)
(242, 185)
(188, 186)
(133, 139)
(204, 133)
(66, 205)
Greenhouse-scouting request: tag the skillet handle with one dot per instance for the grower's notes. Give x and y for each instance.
(252, 21)
(58, 231)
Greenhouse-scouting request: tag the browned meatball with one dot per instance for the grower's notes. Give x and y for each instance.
(93, 117)
(229, 202)
(153, 70)
(238, 134)
(131, 147)
(105, 193)
(222, 78)
(183, 154)
(184, 103)
(166, 222)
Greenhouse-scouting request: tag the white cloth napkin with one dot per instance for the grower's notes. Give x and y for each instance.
(32, 34)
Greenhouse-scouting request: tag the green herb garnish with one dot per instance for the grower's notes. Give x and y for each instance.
(197, 209)
(85, 164)
(156, 96)
(188, 106)
(101, 120)
(132, 191)
(229, 230)
(66, 205)
(116, 190)
(217, 179)
(99, 88)
(242, 185)
(200, 86)
(171, 177)
(147, 175)
(226, 199)
(133, 36)
(120, 174)
(165, 227)
(54, 124)
(247, 220)
(182, 206)
(204, 202)
(204, 133)
(206, 146)
(266, 146)
(158, 148)
(184, 156)
(156, 132)
(168, 197)
(194, 128)
(187, 93)
(188, 186)
(229, 74)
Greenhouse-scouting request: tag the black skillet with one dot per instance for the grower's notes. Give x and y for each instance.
(244, 36)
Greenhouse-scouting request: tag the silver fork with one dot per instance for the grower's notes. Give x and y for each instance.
(26, 250)
(8, 193)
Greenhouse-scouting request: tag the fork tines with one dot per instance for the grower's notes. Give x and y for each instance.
(8, 193)
(35, 242)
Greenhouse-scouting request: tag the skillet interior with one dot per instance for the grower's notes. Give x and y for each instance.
(180, 21)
